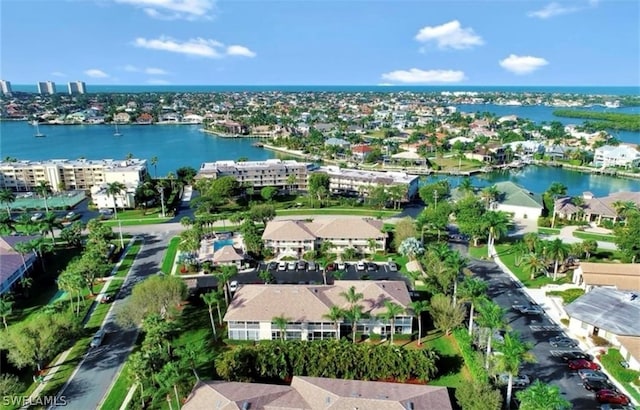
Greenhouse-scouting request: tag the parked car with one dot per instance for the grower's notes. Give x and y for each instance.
(331, 267)
(37, 216)
(598, 384)
(233, 286)
(97, 338)
(302, 265)
(610, 406)
(282, 266)
(372, 267)
(360, 266)
(342, 266)
(583, 364)
(291, 266)
(272, 266)
(573, 355)
(393, 267)
(70, 216)
(312, 266)
(561, 341)
(612, 396)
(518, 381)
(592, 374)
(530, 310)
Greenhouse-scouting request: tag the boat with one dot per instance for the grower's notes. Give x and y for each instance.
(117, 133)
(38, 134)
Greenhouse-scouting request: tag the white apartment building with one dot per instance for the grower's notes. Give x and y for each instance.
(272, 172)
(356, 181)
(63, 174)
(77, 87)
(46, 87)
(124, 199)
(5, 87)
(623, 155)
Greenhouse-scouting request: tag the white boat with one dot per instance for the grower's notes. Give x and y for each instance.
(38, 133)
(117, 133)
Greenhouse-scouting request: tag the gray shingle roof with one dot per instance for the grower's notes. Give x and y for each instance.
(612, 310)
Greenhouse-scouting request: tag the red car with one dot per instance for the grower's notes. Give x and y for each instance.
(612, 396)
(583, 364)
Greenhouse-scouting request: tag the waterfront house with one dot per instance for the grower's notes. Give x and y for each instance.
(623, 155)
(192, 119)
(250, 314)
(612, 315)
(517, 201)
(297, 237)
(316, 393)
(620, 276)
(337, 142)
(488, 154)
(592, 209)
(144, 119)
(14, 264)
(122, 118)
(347, 181)
(360, 151)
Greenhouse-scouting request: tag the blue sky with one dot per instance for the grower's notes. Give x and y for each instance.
(319, 42)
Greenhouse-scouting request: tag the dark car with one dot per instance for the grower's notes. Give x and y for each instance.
(301, 265)
(574, 355)
(612, 396)
(592, 374)
(583, 364)
(597, 385)
(531, 310)
(331, 267)
(272, 266)
(372, 267)
(561, 341)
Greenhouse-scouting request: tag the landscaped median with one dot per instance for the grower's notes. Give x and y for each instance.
(594, 236)
(170, 255)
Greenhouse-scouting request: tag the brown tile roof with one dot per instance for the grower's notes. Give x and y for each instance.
(624, 276)
(597, 206)
(315, 393)
(324, 228)
(227, 254)
(632, 344)
(309, 303)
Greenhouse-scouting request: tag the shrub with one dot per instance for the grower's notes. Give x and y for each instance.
(564, 321)
(568, 295)
(599, 341)
(402, 337)
(471, 358)
(544, 222)
(612, 361)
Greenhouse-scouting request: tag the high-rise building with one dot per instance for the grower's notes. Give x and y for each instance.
(77, 87)
(5, 87)
(46, 87)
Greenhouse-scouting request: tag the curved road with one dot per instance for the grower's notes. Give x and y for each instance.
(91, 381)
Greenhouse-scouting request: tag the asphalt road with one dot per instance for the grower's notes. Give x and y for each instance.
(87, 387)
(537, 329)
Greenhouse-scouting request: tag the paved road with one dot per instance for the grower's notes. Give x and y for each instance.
(90, 383)
(537, 330)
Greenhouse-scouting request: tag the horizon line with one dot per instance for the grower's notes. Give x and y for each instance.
(338, 85)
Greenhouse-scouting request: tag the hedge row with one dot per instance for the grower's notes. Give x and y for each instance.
(472, 358)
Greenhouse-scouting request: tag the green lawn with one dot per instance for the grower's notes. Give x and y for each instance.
(118, 391)
(139, 214)
(128, 259)
(594, 236)
(548, 231)
(133, 222)
(453, 372)
(170, 255)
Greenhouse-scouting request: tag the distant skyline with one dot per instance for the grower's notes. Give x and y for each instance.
(348, 42)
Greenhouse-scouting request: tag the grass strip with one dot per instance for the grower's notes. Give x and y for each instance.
(170, 255)
(118, 390)
(548, 231)
(128, 259)
(594, 236)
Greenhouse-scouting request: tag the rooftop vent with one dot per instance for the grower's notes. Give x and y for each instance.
(633, 297)
(409, 405)
(246, 405)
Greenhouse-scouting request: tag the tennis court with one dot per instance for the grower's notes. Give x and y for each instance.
(60, 200)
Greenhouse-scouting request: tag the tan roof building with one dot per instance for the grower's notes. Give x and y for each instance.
(315, 393)
(594, 209)
(227, 255)
(622, 276)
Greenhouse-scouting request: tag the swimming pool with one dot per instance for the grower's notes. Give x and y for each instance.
(220, 243)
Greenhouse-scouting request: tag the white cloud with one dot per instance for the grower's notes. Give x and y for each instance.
(96, 73)
(522, 64)
(174, 9)
(415, 75)
(450, 35)
(556, 9)
(157, 81)
(58, 74)
(196, 47)
(240, 51)
(155, 71)
(131, 68)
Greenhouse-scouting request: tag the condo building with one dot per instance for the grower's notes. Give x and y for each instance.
(277, 173)
(77, 87)
(63, 174)
(46, 88)
(359, 182)
(5, 87)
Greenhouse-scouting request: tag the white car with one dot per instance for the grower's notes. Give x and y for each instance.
(233, 286)
(361, 266)
(282, 266)
(291, 266)
(518, 381)
(37, 216)
(342, 266)
(97, 338)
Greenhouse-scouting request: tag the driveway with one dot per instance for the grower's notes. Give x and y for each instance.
(98, 369)
(535, 329)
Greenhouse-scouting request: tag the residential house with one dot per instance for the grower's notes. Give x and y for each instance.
(592, 209)
(250, 314)
(144, 119)
(297, 237)
(123, 200)
(360, 151)
(337, 142)
(122, 118)
(316, 393)
(555, 151)
(623, 155)
(612, 315)
(487, 154)
(13, 267)
(517, 201)
(620, 276)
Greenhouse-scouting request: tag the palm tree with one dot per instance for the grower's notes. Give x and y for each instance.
(335, 315)
(352, 296)
(281, 323)
(556, 190)
(624, 208)
(154, 162)
(496, 224)
(6, 308)
(532, 241)
(43, 188)
(113, 189)
(225, 273)
(558, 251)
(354, 314)
(514, 353)
(7, 197)
(7, 224)
(49, 223)
(534, 265)
(491, 317)
(23, 248)
(542, 396)
(392, 310)
(212, 298)
(418, 307)
(291, 181)
(490, 194)
(520, 250)
(474, 291)
(465, 185)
